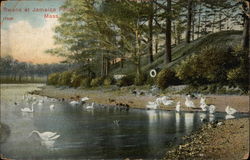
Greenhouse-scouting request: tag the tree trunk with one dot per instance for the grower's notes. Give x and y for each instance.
(189, 21)
(138, 66)
(193, 27)
(199, 22)
(121, 63)
(246, 34)
(103, 66)
(168, 33)
(220, 22)
(107, 66)
(150, 39)
(156, 44)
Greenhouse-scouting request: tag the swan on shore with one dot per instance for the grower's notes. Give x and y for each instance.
(204, 107)
(152, 105)
(45, 136)
(29, 110)
(84, 99)
(230, 111)
(189, 103)
(178, 106)
(203, 100)
(164, 100)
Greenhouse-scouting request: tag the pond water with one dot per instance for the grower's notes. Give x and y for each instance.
(90, 134)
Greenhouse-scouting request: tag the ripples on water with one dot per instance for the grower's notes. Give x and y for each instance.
(90, 134)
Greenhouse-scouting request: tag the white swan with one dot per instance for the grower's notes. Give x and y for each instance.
(178, 106)
(84, 99)
(230, 110)
(90, 106)
(203, 107)
(40, 102)
(52, 107)
(229, 116)
(74, 103)
(203, 100)
(211, 109)
(152, 105)
(164, 100)
(46, 136)
(28, 110)
(167, 102)
(189, 103)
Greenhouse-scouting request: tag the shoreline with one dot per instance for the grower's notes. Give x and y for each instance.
(228, 139)
(125, 97)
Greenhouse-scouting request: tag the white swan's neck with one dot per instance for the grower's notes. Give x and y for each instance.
(35, 132)
(32, 107)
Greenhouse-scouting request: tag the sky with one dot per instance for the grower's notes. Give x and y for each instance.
(27, 34)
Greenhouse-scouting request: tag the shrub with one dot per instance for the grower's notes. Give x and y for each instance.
(108, 81)
(239, 75)
(65, 78)
(210, 66)
(140, 79)
(150, 80)
(165, 78)
(96, 82)
(53, 78)
(76, 80)
(126, 80)
(85, 82)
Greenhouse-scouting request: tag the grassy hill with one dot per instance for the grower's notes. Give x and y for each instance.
(182, 51)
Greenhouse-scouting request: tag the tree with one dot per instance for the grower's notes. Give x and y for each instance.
(168, 33)
(246, 29)
(189, 20)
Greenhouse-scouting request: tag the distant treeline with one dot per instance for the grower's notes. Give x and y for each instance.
(13, 71)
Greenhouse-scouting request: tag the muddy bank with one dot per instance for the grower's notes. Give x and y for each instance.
(125, 96)
(224, 140)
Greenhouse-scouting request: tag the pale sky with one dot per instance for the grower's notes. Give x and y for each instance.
(26, 35)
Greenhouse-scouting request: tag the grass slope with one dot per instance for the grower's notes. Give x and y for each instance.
(182, 51)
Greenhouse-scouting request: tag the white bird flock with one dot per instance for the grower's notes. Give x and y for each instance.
(211, 109)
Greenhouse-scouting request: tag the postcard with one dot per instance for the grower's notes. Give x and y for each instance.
(124, 79)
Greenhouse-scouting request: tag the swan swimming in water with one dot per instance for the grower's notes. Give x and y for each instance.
(45, 136)
(178, 106)
(230, 110)
(228, 116)
(90, 106)
(28, 110)
(52, 107)
(189, 103)
(74, 103)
